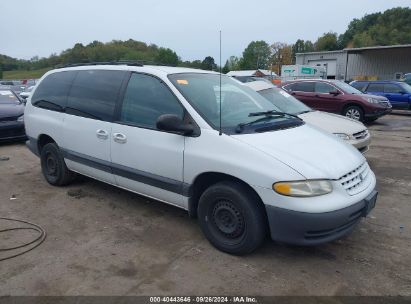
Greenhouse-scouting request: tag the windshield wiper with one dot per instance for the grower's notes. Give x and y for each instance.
(268, 115)
(272, 113)
(306, 111)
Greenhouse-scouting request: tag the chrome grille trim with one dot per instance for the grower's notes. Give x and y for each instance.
(361, 135)
(357, 180)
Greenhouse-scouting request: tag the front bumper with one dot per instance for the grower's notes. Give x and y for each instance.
(378, 113)
(12, 130)
(301, 228)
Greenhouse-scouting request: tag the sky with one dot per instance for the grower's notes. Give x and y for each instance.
(189, 27)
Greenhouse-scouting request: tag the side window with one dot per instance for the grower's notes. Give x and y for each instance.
(322, 87)
(94, 94)
(305, 87)
(392, 88)
(375, 87)
(53, 90)
(290, 87)
(146, 99)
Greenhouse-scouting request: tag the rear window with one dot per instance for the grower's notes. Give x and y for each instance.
(94, 94)
(52, 91)
(375, 87)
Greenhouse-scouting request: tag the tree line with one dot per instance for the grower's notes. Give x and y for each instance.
(390, 27)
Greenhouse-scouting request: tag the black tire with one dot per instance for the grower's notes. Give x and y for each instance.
(232, 218)
(53, 166)
(354, 112)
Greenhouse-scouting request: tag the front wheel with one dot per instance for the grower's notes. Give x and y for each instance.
(232, 218)
(354, 112)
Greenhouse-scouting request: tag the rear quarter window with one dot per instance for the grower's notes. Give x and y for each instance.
(53, 90)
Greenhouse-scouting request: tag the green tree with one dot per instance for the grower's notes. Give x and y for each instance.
(256, 56)
(226, 68)
(327, 42)
(388, 28)
(208, 64)
(308, 46)
(167, 56)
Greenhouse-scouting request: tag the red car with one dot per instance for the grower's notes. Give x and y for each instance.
(338, 97)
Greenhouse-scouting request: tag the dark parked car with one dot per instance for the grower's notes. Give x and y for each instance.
(11, 116)
(335, 96)
(398, 93)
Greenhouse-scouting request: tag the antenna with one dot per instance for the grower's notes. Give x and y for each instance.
(220, 132)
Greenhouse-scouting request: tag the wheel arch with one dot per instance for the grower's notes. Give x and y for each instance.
(207, 179)
(43, 140)
(352, 103)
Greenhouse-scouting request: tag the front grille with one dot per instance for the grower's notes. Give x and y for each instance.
(357, 180)
(386, 104)
(361, 135)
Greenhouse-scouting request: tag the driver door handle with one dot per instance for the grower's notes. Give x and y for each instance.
(119, 138)
(102, 134)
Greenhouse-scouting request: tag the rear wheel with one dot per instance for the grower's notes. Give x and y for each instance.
(53, 166)
(232, 218)
(354, 112)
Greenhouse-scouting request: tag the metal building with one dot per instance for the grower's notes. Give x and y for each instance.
(371, 63)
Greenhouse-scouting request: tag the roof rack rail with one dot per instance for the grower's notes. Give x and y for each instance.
(120, 62)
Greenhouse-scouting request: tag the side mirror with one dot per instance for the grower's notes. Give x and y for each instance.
(173, 123)
(335, 93)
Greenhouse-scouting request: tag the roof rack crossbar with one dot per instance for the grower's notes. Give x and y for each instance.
(120, 62)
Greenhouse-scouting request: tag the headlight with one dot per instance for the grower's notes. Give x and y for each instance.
(372, 100)
(20, 118)
(303, 188)
(342, 136)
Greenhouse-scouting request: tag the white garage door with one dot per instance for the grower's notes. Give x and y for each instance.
(330, 65)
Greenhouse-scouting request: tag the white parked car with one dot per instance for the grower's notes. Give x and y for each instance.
(156, 131)
(352, 131)
(26, 93)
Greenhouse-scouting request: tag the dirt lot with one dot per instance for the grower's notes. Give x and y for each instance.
(106, 241)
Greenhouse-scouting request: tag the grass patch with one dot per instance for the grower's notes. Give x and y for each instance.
(25, 74)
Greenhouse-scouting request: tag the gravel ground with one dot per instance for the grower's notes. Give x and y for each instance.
(106, 241)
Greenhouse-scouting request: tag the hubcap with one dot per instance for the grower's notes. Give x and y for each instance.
(228, 219)
(51, 165)
(353, 113)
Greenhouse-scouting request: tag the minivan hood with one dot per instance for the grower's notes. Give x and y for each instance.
(11, 110)
(313, 153)
(332, 123)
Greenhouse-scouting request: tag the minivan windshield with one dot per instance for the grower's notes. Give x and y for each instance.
(284, 101)
(346, 87)
(240, 105)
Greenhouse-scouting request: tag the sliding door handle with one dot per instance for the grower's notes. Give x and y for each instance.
(119, 138)
(102, 134)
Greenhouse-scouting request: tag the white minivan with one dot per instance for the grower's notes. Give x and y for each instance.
(202, 142)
